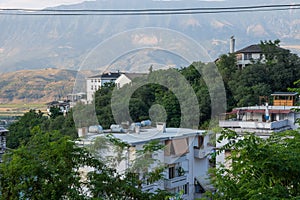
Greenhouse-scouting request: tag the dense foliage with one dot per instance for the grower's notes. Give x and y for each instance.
(177, 92)
(19, 132)
(277, 72)
(50, 165)
(260, 168)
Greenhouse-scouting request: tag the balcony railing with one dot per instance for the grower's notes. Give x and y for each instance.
(254, 124)
(175, 182)
(200, 153)
(149, 188)
(173, 159)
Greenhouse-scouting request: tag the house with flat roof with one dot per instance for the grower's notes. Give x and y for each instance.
(185, 157)
(262, 119)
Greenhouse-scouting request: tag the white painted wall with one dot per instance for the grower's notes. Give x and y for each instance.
(122, 80)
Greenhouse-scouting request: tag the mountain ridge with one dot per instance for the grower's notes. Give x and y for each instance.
(37, 42)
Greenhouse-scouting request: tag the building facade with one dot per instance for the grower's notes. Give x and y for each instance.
(185, 157)
(261, 120)
(94, 83)
(127, 78)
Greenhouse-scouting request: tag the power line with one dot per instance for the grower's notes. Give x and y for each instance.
(153, 9)
(163, 11)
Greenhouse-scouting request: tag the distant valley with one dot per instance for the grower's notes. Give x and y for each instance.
(36, 86)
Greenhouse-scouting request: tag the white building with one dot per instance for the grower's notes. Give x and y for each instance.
(261, 120)
(248, 55)
(127, 78)
(186, 157)
(94, 83)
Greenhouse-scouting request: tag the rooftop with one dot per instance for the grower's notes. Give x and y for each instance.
(3, 130)
(147, 135)
(261, 109)
(254, 48)
(107, 75)
(284, 94)
(134, 75)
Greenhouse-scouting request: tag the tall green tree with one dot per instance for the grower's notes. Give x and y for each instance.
(50, 166)
(260, 168)
(46, 167)
(19, 132)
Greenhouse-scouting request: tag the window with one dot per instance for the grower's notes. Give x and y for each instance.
(184, 189)
(171, 171)
(198, 187)
(247, 56)
(198, 143)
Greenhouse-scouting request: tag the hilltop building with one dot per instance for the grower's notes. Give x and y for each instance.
(94, 83)
(127, 78)
(186, 157)
(248, 55)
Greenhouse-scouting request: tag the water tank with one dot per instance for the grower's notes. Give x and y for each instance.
(116, 128)
(146, 123)
(96, 129)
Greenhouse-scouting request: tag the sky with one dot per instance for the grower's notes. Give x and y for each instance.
(39, 4)
(35, 4)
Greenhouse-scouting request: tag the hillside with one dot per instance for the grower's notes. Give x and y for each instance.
(35, 42)
(36, 86)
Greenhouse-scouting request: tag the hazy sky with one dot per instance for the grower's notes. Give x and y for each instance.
(34, 3)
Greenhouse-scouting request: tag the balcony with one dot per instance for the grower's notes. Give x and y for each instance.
(254, 124)
(175, 182)
(199, 153)
(149, 188)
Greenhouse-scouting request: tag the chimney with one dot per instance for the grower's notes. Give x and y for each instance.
(137, 129)
(161, 126)
(232, 44)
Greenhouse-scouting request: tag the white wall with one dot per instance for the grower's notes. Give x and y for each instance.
(122, 80)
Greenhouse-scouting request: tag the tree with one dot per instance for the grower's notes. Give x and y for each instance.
(260, 168)
(50, 166)
(46, 167)
(19, 132)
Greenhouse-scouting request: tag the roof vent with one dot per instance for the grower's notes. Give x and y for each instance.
(161, 126)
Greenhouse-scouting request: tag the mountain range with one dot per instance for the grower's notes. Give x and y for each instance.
(67, 42)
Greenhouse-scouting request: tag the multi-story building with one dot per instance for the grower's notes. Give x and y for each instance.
(94, 83)
(186, 157)
(248, 55)
(261, 120)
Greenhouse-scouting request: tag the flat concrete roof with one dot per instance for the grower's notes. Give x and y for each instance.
(147, 135)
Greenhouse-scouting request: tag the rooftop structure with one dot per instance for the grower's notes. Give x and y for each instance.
(261, 120)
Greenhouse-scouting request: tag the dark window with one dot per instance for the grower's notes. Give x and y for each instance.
(171, 171)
